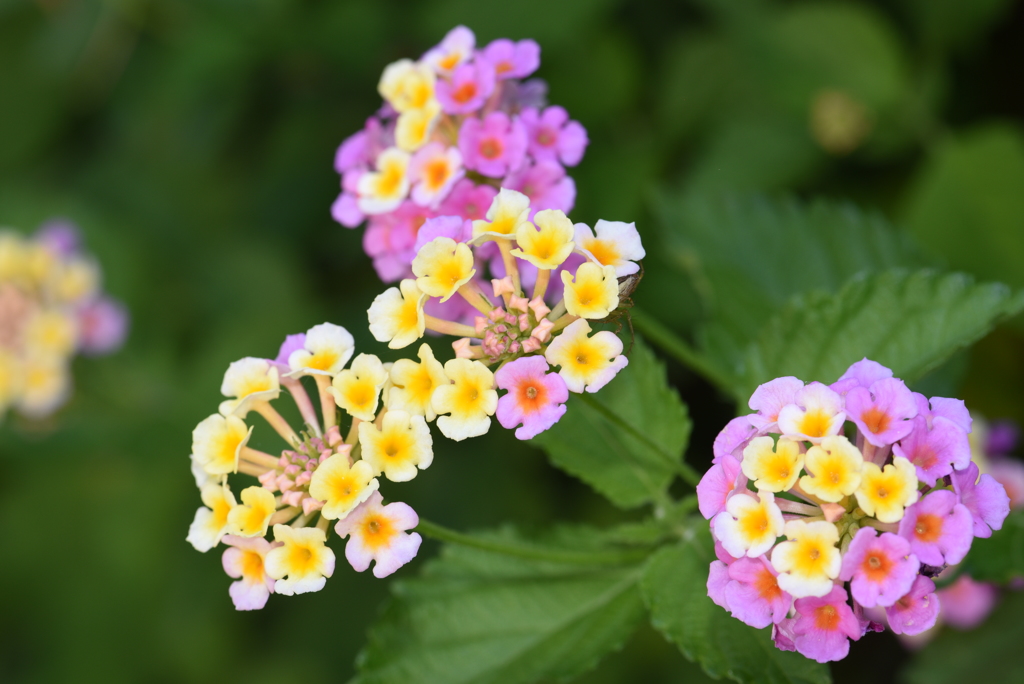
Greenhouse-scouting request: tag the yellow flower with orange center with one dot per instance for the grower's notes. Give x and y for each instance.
(808, 561)
(885, 492)
(593, 293)
(442, 266)
(773, 467)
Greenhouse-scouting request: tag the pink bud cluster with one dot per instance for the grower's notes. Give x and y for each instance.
(522, 328)
(295, 469)
(494, 127)
(834, 507)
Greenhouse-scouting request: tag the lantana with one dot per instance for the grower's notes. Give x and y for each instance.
(524, 337)
(51, 307)
(457, 124)
(320, 478)
(873, 489)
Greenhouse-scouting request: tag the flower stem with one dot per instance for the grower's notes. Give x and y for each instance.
(676, 347)
(477, 299)
(450, 327)
(257, 457)
(511, 267)
(689, 475)
(525, 550)
(304, 403)
(277, 422)
(327, 404)
(541, 286)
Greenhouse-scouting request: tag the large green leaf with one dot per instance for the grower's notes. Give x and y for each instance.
(967, 206)
(989, 653)
(675, 589)
(748, 256)
(627, 440)
(480, 616)
(1000, 558)
(908, 321)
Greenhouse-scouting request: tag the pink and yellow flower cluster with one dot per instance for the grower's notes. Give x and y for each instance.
(522, 335)
(320, 477)
(51, 307)
(835, 503)
(456, 125)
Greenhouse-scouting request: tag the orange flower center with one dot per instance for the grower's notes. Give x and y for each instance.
(875, 420)
(491, 148)
(928, 528)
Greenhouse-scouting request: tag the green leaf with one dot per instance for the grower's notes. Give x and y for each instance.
(910, 322)
(945, 24)
(989, 653)
(627, 440)
(674, 587)
(812, 46)
(967, 208)
(748, 256)
(1000, 558)
(479, 616)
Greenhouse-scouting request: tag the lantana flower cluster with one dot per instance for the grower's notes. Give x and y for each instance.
(834, 503)
(966, 602)
(456, 125)
(322, 477)
(518, 333)
(51, 307)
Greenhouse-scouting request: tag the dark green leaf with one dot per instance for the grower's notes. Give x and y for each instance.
(1000, 558)
(748, 256)
(479, 616)
(990, 653)
(631, 464)
(675, 589)
(910, 322)
(967, 206)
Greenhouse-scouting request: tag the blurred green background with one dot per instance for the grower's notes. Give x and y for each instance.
(193, 143)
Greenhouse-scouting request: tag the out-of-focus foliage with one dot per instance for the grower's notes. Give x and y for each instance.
(193, 144)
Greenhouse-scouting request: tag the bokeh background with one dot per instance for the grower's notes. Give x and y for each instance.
(193, 143)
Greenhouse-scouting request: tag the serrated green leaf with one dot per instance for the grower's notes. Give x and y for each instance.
(633, 465)
(674, 587)
(1000, 558)
(966, 206)
(476, 616)
(910, 322)
(748, 256)
(989, 653)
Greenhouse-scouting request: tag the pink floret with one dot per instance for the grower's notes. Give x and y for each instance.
(939, 528)
(535, 398)
(882, 568)
(984, 497)
(883, 413)
(494, 146)
(824, 626)
(513, 59)
(553, 137)
(917, 611)
(717, 484)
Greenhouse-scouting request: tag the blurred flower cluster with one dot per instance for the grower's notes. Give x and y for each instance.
(965, 602)
(885, 510)
(51, 307)
(327, 475)
(456, 125)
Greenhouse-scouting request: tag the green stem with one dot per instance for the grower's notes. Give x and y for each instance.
(681, 351)
(520, 550)
(689, 475)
